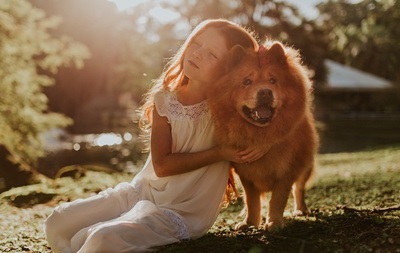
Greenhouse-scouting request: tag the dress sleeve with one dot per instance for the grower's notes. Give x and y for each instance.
(160, 103)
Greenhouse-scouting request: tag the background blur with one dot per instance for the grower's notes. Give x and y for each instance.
(72, 73)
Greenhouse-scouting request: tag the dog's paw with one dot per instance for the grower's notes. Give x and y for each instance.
(301, 212)
(273, 226)
(242, 226)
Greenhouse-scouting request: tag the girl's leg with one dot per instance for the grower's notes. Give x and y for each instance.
(144, 226)
(67, 219)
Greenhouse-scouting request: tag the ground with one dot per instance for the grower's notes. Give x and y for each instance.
(354, 201)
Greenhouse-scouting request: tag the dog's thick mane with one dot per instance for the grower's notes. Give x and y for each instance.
(250, 134)
(263, 102)
(295, 62)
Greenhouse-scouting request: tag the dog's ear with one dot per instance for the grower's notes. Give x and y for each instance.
(262, 56)
(276, 54)
(235, 55)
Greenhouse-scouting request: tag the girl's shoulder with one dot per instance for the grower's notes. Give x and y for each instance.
(164, 97)
(167, 104)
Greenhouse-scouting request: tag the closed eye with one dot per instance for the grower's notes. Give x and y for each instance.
(213, 55)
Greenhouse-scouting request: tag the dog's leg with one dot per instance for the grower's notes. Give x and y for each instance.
(277, 204)
(253, 206)
(300, 206)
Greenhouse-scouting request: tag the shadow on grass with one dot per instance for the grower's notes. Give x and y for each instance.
(350, 214)
(30, 199)
(345, 231)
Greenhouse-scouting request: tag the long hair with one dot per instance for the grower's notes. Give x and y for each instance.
(173, 76)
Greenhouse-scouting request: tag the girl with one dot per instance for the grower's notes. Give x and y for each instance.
(179, 192)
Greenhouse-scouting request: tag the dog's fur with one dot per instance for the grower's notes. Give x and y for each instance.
(265, 100)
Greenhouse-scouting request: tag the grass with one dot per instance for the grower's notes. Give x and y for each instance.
(354, 199)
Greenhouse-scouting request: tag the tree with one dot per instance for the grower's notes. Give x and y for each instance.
(277, 20)
(364, 35)
(89, 93)
(125, 58)
(27, 54)
(282, 21)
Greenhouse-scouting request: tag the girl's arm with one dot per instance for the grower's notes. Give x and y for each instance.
(167, 163)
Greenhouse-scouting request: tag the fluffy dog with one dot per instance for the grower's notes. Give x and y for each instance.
(265, 100)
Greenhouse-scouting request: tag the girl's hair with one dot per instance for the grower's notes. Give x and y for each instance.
(173, 77)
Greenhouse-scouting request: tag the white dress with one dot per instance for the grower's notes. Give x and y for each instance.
(149, 211)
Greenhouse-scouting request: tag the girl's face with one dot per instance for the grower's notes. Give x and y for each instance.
(204, 56)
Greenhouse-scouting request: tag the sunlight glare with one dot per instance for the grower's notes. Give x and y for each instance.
(108, 139)
(122, 5)
(157, 12)
(128, 136)
(163, 15)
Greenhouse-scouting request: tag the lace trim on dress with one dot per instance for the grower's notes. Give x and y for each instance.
(177, 111)
(183, 233)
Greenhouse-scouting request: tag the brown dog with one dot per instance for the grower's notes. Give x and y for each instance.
(264, 100)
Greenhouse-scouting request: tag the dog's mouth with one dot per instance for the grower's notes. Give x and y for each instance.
(261, 114)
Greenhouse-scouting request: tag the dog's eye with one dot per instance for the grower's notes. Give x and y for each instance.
(272, 80)
(247, 81)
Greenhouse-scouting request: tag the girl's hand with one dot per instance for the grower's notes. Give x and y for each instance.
(230, 154)
(251, 154)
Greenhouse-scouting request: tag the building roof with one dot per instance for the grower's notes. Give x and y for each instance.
(341, 77)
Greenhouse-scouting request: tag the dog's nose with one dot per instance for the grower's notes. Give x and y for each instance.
(264, 94)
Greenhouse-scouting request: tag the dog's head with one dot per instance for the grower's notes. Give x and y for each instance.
(261, 84)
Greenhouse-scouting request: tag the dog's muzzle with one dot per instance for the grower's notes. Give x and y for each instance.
(263, 112)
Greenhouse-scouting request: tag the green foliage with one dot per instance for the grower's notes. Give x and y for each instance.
(27, 53)
(365, 34)
(126, 55)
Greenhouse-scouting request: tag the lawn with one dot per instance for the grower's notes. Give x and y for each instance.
(354, 199)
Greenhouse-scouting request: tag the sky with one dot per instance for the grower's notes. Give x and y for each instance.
(125, 4)
(306, 7)
(157, 12)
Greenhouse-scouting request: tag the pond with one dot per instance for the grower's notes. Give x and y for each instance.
(110, 151)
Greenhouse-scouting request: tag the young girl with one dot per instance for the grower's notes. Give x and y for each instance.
(179, 192)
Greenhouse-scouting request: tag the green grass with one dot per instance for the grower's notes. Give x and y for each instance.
(354, 199)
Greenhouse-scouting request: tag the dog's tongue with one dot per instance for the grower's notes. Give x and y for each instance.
(263, 112)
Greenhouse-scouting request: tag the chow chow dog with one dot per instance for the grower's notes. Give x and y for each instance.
(265, 100)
